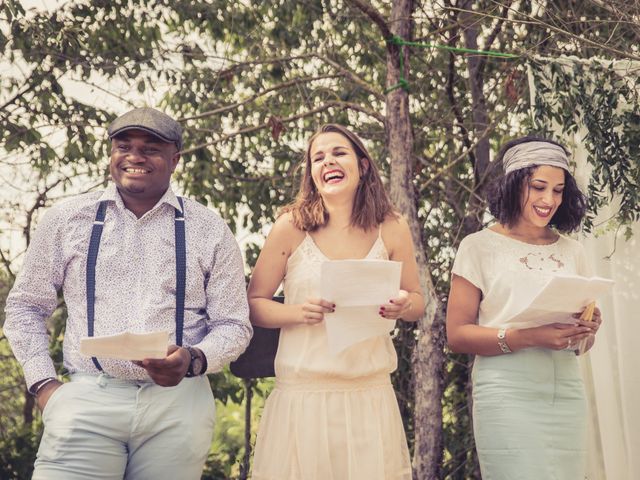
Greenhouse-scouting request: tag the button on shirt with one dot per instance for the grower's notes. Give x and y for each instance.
(135, 284)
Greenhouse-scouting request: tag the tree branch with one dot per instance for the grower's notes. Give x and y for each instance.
(451, 77)
(255, 96)
(529, 20)
(355, 78)
(39, 203)
(494, 34)
(7, 264)
(262, 126)
(370, 11)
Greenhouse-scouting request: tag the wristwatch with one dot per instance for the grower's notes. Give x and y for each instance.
(196, 365)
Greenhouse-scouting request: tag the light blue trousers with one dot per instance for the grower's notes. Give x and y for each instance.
(529, 416)
(98, 427)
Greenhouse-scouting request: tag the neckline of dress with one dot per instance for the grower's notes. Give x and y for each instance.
(317, 248)
(553, 244)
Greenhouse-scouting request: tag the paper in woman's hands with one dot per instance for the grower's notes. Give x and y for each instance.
(559, 299)
(126, 346)
(358, 288)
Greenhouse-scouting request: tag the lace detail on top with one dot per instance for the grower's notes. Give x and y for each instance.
(377, 250)
(548, 258)
(540, 261)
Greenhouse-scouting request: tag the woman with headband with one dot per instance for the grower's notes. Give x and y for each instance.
(529, 410)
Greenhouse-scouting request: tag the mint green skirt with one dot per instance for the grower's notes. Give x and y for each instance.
(529, 416)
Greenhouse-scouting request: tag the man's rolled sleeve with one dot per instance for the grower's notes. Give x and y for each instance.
(227, 307)
(33, 299)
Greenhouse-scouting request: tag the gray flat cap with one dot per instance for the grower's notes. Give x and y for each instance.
(150, 120)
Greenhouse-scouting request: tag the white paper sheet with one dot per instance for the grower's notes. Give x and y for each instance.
(560, 298)
(126, 346)
(358, 288)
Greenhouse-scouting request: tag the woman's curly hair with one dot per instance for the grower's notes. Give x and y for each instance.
(505, 194)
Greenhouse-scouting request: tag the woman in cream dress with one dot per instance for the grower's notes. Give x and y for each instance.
(331, 417)
(529, 413)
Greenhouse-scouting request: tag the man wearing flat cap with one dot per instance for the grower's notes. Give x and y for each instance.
(134, 258)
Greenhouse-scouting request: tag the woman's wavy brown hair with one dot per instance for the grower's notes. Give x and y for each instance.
(371, 205)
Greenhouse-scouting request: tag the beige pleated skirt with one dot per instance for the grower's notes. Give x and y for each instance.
(334, 430)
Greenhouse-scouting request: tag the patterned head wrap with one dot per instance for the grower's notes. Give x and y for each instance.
(534, 153)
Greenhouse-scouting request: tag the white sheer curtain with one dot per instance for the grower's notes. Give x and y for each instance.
(612, 368)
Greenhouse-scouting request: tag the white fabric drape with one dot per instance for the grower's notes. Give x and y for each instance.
(612, 368)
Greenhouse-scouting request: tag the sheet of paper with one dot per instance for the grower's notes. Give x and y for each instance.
(562, 296)
(126, 346)
(358, 288)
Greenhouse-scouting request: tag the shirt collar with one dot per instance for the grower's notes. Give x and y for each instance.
(111, 194)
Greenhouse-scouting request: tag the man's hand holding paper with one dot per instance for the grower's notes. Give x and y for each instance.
(168, 371)
(126, 345)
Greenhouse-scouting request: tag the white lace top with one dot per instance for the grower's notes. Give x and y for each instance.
(303, 351)
(508, 271)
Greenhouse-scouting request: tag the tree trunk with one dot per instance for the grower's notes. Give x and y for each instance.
(479, 115)
(480, 131)
(428, 359)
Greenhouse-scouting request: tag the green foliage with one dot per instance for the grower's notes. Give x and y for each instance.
(599, 101)
(20, 423)
(18, 451)
(402, 378)
(18, 440)
(459, 461)
(228, 446)
(6, 282)
(227, 388)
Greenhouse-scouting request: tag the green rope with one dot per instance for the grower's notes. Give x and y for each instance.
(396, 40)
(404, 84)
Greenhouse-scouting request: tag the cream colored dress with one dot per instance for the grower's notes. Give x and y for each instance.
(329, 417)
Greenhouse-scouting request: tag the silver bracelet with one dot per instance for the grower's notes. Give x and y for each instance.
(41, 385)
(502, 343)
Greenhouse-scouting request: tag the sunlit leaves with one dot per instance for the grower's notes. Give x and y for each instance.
(600, 102)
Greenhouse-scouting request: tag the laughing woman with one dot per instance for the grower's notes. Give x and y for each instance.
(331, 417)
(529, 415)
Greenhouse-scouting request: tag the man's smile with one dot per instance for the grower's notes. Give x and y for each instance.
(135, 170)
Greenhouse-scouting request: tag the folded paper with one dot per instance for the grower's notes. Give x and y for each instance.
(126, 346)
(559, 299)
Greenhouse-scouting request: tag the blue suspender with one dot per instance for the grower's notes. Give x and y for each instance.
(181, 270)
(94, 246)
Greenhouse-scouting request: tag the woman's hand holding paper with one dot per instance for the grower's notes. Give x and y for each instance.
(556, 336)
(313, 310)
(593, 323)
(590, 317)
(396, 307)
